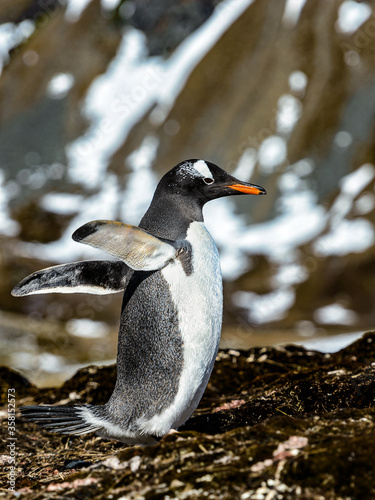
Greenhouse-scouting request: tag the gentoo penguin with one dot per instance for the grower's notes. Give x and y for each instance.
(171, 313)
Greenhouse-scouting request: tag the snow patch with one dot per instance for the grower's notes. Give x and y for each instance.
(351, 15)
(87, 328)
(62, 203)
(59, 85)
(289, 274)
(332, 344)
(349, 236)
(74, 9)
(365, 204)
(352, 184)
(142, 181)
(11, 35)
(272, 153)
(227, 228)
(8, 226)
(335, 314)
(350, 187)
(101, 205)
(292, 12)
(192, 50)
(289, 111)
(114, 103)
(110, 4)
(246, 164)
(298, 82)
(265, 308)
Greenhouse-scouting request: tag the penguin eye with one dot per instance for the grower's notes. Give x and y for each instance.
(208, 180)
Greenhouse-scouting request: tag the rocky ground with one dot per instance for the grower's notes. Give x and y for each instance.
(274, 423)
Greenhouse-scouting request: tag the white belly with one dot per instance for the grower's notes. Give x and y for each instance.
(199, 301)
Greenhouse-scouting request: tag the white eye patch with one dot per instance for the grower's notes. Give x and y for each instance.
(197, 169)
(201, 167)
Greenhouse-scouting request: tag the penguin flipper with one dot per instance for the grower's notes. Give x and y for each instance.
(136, 247)
(90, 276)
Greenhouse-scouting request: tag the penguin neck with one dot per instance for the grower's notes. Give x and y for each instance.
(169, 216)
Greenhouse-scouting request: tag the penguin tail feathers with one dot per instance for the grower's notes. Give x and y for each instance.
(64, 419)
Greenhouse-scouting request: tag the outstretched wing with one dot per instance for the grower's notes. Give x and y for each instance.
(90, 276)
(136, 247)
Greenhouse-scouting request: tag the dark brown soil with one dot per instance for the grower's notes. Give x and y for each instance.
(274, 423)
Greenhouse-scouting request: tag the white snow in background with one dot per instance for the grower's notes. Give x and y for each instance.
(272, 153)
(351, 16)
(353, 183)
(227, 228)
(101, 205)
(134, 83)
(289, 274)
(114, 103)
(350, 187)
(246, 165)
(233, 263)
(282, 234)
(335, 314)
(332, 344)
(350, 236)
(110, 4)
(37, 362)
(298, 82)
(289, 111)
(265, 308)
(364, 204)
(59, 85)
(300, 221)
(62, 203)
(300, 201)
(49, 362)
(8, 227)
(289, 182)
(142, 181)
(74, 9)
(192, 50)
(304, 167)
(87, 328)
(293, 9)
(11, 35)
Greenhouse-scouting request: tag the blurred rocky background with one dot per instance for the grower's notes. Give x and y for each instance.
(98, 99)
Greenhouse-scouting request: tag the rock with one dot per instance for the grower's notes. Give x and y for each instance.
(273, 423)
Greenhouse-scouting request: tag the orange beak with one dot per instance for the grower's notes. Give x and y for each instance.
(248, 189)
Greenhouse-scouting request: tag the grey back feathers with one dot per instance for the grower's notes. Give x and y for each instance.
(150, 355)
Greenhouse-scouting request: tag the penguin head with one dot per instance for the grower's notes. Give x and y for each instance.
(204, 181)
